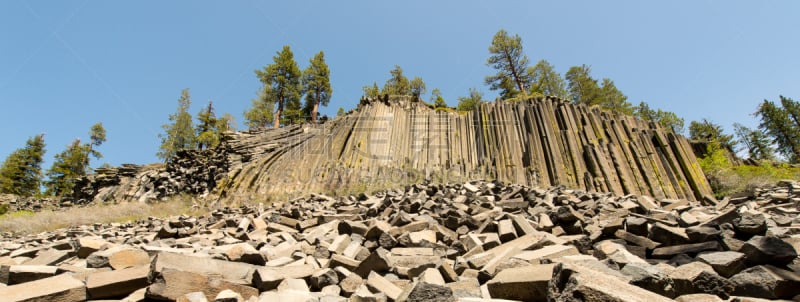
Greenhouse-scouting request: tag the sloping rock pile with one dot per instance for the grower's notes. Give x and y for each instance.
(193, 172)
(20, 203)
(476, 241)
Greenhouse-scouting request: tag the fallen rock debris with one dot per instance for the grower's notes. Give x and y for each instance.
(477, 241)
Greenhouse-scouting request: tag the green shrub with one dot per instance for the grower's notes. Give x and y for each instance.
(726, 178)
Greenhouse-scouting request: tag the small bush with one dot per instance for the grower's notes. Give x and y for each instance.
(726, 178)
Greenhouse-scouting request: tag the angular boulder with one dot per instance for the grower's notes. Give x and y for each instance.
(172, 284)
(522, 283)
(117, 283)
(61, 288)
(573, 282)
(766, 281)
(768, 250)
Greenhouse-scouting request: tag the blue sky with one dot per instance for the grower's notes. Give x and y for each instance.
(65, 65)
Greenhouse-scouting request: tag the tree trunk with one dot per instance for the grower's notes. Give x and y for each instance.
(276, 123)
(515, 73)
(315, 110)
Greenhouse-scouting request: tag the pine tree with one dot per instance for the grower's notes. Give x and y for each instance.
(709, 132)
(644, 112)
(179, 134)
(316, 79)
(340, 112)
(417, 87)
(511, 64)
(613, 99)
(260, 112)
(97, 136)
(471, 102)
(371, 91)
(67, 167)
(583, 89)
(207, 134)
(755, 142)
(668, 120)
(21, 172)
(778, 123)
(226, 123)
(546, 81)
(397, 84)
(73, 162)
(706, 130)
(437, 99)
(283, 78)
(792, 109)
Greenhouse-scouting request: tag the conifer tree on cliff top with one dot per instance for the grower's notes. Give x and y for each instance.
(21, 172)
(317, 83)
(283, 76)
(511, 65)
(179, 134)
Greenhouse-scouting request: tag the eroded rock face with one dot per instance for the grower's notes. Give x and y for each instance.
(539, 142)
(425, 242)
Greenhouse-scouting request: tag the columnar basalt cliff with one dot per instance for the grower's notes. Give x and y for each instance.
(540, 142)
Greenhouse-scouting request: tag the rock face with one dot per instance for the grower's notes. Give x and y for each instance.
(189, 172)
(424, 242)
(539, 142)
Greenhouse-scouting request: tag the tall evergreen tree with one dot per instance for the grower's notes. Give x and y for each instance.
(437, 99)
(179, 133)
(283, 77)
(21, 172)
(792, 109)
(583, 89)
(417, 87)
(470, 102)
(511, 64)
(545, 80)
(340, 112)
(397, 84)
(74, 162)
(260, 112)
(706, 130)
(207, 134)
(755, 142)
(613, 99)
(371, 91)
(778, 123)
(226, 123)
(97, 136)
(316, 79)
(67, 167)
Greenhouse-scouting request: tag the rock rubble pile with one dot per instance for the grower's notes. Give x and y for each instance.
(476, 241)
(193, 172)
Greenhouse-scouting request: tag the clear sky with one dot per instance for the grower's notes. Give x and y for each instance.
(65, 65)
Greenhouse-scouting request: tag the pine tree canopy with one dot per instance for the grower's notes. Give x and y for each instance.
(283, 77)
(21, 172)
(511, 64)
(179, 133)
(546, 81)
(317, 84)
